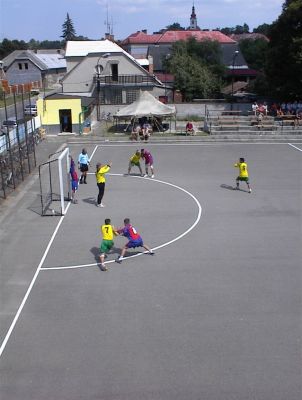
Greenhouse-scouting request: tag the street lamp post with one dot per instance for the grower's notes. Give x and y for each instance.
(233, 65)
(99, 69)
(166, 59)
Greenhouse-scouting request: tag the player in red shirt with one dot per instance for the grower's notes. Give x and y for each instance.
(135, 239)
(147, 156)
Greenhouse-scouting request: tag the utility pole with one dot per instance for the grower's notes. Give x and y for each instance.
(233, 66)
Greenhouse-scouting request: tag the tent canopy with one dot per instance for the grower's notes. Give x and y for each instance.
(146, 105)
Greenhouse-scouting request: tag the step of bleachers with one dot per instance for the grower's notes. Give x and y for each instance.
(249, 124)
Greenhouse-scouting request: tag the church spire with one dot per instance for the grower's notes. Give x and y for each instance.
(193, 19)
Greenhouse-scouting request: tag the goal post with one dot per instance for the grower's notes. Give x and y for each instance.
(55, 184)
(64, 166)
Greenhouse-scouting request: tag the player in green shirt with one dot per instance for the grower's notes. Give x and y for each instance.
(108, 233)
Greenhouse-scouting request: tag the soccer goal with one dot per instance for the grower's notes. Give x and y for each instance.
(55, 184)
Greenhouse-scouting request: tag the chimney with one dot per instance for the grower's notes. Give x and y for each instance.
(151, 65)
(108, 36)
(145, 31)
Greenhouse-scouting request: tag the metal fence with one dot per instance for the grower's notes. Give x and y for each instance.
(17, 157)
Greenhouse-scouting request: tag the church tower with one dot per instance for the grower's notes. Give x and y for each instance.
(193, 19)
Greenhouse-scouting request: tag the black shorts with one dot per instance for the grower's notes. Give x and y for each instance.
(83, 167)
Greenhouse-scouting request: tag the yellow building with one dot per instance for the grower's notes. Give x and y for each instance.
(62, 113)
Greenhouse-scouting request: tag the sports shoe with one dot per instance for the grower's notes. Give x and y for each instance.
(103, 267)
(250, 190)
(102, 205)
(145, 176)
(118, 260)
(151, 253)
(152, 176)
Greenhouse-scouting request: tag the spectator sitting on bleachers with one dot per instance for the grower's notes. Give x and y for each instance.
(146, 130)
(136, 132)
(283, 107)
(262, 109)
(279, 111)
(274, 109)
(255, 108)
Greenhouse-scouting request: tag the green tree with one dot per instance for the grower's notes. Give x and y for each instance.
(33, 44)
(226, 30)
(238, 29)
(254, 52)
(7, 46)
(175, 27)
(192, 76)
(51, 44)
(68, 31)
(284, 58)
(264, 29)
(242, 29)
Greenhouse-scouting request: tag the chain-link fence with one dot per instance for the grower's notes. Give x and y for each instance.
(17, 160)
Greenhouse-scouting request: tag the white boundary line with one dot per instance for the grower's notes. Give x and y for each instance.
(154, 248)
(11, 328)
(141, 145)
(295, 147)
(39, 268)
(95, 149)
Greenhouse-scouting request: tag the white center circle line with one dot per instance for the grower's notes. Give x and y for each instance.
(154, 248)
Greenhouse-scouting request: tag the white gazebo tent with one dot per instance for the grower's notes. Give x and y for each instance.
(146, 106)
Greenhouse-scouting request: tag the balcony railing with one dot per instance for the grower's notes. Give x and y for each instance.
(126, 80)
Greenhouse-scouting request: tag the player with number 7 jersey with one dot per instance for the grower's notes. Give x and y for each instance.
(108, 232)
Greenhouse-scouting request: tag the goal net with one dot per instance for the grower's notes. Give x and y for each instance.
(55, 184)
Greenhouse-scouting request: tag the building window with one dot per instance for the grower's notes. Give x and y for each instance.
(117, 97)
(26, 65)
(114, 72)
(131, 96)
(20, 65)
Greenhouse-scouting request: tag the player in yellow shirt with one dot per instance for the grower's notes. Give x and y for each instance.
(108, 233)
(135, 160)
(100, 172)
(243, 174)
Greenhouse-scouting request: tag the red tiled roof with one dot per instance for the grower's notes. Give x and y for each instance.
(141, 37)
(174, 36)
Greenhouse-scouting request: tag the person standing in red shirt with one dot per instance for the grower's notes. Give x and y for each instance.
(147, 156)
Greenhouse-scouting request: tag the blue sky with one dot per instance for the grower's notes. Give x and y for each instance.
(43, 19)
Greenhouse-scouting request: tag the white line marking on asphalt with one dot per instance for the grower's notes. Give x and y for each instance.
(11, 328)
(135, 145)
(295, 147)
(154, 248)
(95, 149)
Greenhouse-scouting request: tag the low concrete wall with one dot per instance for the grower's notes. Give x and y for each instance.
(195, 108)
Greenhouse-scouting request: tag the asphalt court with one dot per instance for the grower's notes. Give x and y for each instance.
(215, 314)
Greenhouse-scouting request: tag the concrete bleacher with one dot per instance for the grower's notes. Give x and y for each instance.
(227, 123)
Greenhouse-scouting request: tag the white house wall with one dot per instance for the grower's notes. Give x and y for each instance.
(81, 78)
